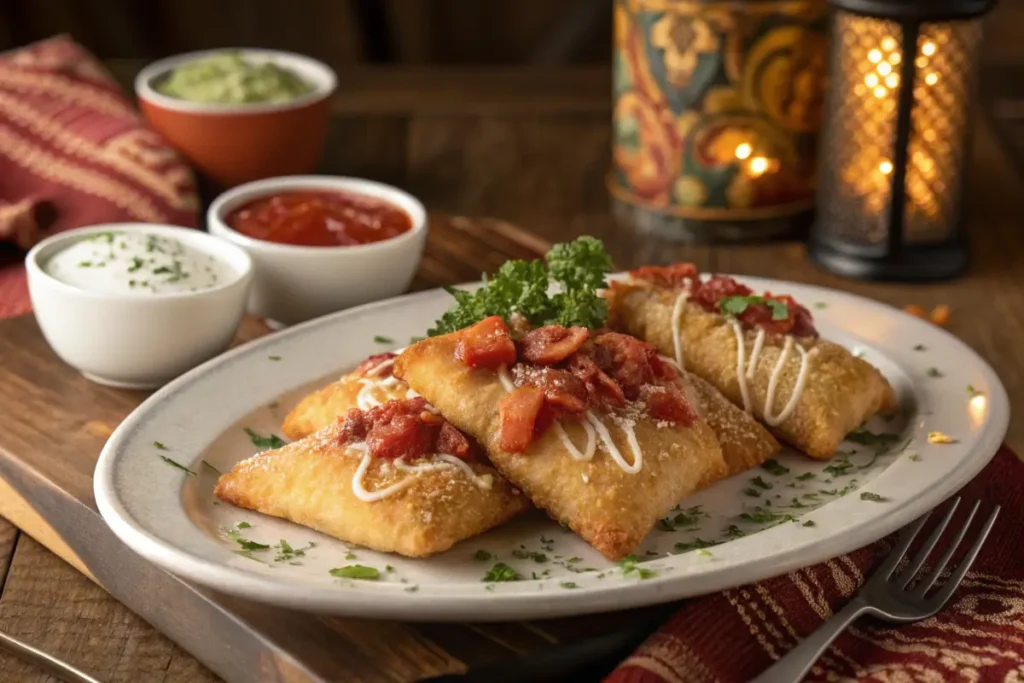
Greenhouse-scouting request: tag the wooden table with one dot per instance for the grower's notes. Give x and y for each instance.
(530, 148)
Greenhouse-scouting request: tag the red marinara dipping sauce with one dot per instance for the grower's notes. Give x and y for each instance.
(320, 218)
(562, 372)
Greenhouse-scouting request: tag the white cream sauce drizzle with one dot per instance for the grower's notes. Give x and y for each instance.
(745, 369)
(372, 381)
(436, 462)
(594, 429)
(677, 314)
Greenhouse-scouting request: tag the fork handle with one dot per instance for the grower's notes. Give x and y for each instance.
(798, 661)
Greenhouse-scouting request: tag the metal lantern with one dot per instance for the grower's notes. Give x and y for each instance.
(895, 142)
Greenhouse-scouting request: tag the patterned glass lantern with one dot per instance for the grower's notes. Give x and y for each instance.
(895, 140)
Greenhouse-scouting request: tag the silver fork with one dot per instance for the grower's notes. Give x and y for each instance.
(888, 595)
(57, 667)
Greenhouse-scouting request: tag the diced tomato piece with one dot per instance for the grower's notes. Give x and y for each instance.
(404, 436)
(761, 315)
(518, 411)
(353, 428)
(450, 440)
(803, 322)
(663, 370)
(563, 391)
(602, 389)
(666, 403)
(373, 361)
(673, 276)
(487, 344)
(551, 344)
(631, 361)
(717, 288)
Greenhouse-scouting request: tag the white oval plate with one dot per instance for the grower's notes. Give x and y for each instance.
(173, 519)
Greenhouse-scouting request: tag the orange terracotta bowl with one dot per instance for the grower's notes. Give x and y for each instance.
(232, 144)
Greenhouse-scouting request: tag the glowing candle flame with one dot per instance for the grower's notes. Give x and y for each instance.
(743, 150)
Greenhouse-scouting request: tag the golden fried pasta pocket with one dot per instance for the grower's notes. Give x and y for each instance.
(761, 351)
(594, 428)
(396, 478)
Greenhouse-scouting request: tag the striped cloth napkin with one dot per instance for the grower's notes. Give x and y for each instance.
(978, 637)
(74, 152)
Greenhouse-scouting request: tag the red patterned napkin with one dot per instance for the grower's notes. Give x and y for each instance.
(74, 152)
(737, 634)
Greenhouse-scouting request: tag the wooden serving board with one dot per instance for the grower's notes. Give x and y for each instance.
(56, 423)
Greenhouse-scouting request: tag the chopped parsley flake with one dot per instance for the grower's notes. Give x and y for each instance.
(175, 463)
(356, 571)
(388, 568)
(919, 347)
(211, 467)
(774, 467)
(873, 497)
(695, 544)
(482, 556)
(288, 553)
(704, 552)
(753, 493)
(806, 475)
(530, 555)
(915, 457)
(866, 438)
(972, 392)
(820, 304)
(762, 516)
(734, 531)
(934, 372)
(350, 555)
(274, 358)
(246, 544)
(760, 483)
(684, 518)
(243, 525)
(500, 572)
(380, 339)
(569, 584)
(736, 305)
(159, 446)
(809, 522)
(266, 442)
(838, 468)
(412, 589)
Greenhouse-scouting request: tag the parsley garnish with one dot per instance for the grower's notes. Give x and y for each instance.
(919, 347)
(521, 288)
(211, 467)
(806, 475)
(350, 555)
(243, 525)
(760, 483)
(809, 522)
(704, 552)
(760, 515)
(288, 553)
(500, 572)
(839, 468)
(380, 339)
(865, 438)
(873, 497)
(267, 442)
(482, 556)
(529, 555)
(685, 518)
(774, 467)
(915, 457)
(274, 358)
(246, 544)
(411, 589)
(753, 493)
(174, 463)
(160, 446)
(736, 305)
(569, 584)
(697, 544)
(971, 391)
(356, 571)
(934, 372)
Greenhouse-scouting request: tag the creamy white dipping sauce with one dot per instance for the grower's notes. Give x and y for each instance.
(134, 261)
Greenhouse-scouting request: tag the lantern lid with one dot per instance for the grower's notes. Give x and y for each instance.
(922, 10)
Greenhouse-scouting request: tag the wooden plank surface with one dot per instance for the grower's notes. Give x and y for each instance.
(531, 148)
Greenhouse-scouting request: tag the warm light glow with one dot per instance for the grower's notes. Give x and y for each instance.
(880, 92)
(758, 165)
(875, 56)
(895, 58)
(885, 68)
(888, 44)
(743, 150)
(885, 167)
(921, 62)
(892, 80)
(928, 49)
(871, 80)
(931, 79)
(979, 408)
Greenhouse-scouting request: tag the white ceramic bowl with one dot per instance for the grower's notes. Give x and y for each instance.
(296, 283)
(138, 340)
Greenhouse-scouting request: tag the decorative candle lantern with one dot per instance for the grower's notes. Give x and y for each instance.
(895, 140)
(717, 108)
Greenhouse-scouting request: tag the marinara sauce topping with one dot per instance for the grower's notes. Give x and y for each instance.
(320, 218)
(561, 373)
(776, 314)
(404, 429)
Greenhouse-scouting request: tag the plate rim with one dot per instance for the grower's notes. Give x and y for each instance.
(497, 606)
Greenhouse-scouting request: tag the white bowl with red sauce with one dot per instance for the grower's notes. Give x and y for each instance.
(322, 244)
